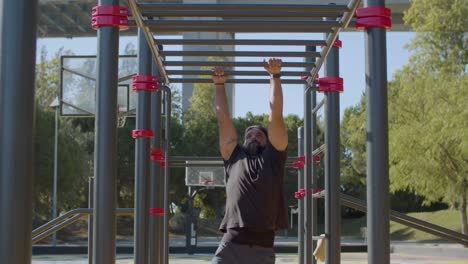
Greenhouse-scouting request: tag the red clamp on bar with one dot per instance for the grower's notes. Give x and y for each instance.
(157, 155)
(300, 163)
(109, 16)
(142, 133)
(373, 17)
(151, 87)
(300, 194)
(145, 83)
(157, 211)
(317, 159)
(330, 84)
(337, 44)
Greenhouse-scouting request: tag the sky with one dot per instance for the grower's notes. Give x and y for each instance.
(254, 97)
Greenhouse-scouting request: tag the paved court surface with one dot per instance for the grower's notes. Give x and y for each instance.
(347, 258)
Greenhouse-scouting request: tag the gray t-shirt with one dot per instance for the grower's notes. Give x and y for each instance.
(255, 190)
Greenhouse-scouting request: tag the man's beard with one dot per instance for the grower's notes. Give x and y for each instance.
(253, 147)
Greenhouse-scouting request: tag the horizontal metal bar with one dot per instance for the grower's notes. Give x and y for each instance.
(215, 53)
(319, 150)
(161, 24)
(266, 42)
(240, 14)
(56, 228)
(256, 29)
(414, 220)
(241, 7)
(206, 80)
(203, 165)
(318, 106)
(363, 208)
(235, 64)
(207, 158)
(234, 73)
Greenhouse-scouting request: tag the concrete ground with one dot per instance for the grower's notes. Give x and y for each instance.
(347, 258)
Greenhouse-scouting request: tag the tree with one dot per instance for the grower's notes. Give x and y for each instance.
(427, 106)
(71, 161)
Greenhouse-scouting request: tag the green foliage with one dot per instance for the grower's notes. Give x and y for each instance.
(428, 139)
(440, 44)
(71, 152)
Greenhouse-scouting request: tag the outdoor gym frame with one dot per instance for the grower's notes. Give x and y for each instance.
(18, 31)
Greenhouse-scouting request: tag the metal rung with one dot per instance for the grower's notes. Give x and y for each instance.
(242, 7)
(239, 14)
(235, 64)
(256, 29)
(214, 53)
(234, 73)
(205, 80)
(318, 106)
(162, 24)
(265, 42)
(318, 150)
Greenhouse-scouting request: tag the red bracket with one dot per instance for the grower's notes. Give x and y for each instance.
(157, 211)
(305, 77)
(330, 84)
(373, 17)
(145, 83)
(157, 155)
(109, 16)
(317, 159)
(337, 44)
(142, 133)
(299, 164)
(300, 194)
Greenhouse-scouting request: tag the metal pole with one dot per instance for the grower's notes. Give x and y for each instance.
(18, 22)
(54, 195)
(142, 158)
(188, 228)
(377, 143)
(308, 242)
(300, 185)
(105, 150)
(90, 220)
(313, 166)
(167, 171)
(155, 233)
(332, 164)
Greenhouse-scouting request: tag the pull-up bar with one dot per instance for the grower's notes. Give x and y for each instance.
(238, 14)
(241, 7)
(266, 42)
(215, 53)
(235, 64)
(233, 73)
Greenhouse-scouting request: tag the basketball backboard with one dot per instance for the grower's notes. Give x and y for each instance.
(78, 85)
(204, 176)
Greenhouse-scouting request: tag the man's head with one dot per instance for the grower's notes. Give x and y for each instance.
(255, 139)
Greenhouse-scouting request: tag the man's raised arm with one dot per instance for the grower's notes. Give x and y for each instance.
(227, 132)
(277, 131)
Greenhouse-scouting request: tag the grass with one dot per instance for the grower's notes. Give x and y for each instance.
(446, 218)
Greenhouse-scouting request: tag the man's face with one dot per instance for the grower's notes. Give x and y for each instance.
(255, 141)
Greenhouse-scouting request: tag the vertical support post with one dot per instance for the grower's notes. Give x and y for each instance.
(300, 205)
(155, 179)
(18, 22)
(332, 164)
(54, 194)
(167, 171)
(90, 220)
(309, 203)
(188, 228)
(377, 143)
(142, 157)
(105, 151)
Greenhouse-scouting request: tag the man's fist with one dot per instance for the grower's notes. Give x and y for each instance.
(273, 66)
(218, 75)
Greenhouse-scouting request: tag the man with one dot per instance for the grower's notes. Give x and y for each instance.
(255, 203)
